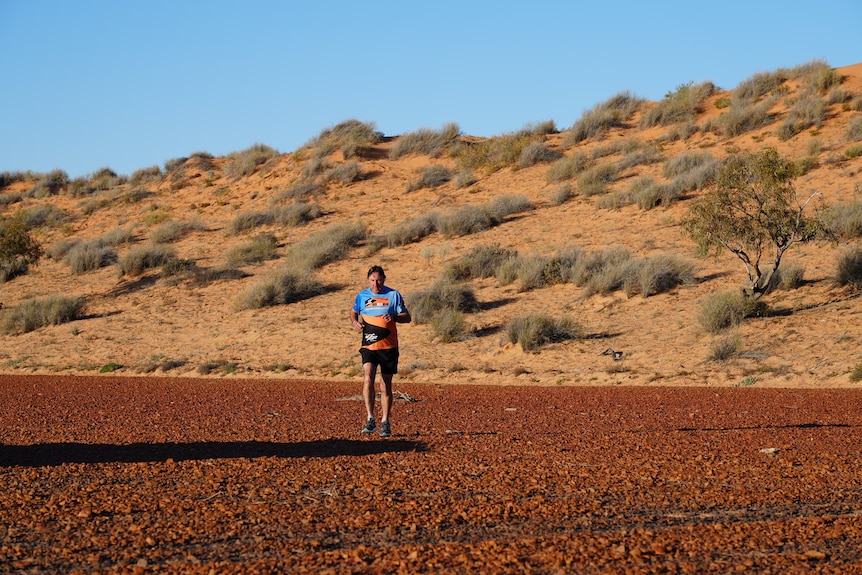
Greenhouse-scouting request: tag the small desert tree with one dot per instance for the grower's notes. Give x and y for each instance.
(753, 211)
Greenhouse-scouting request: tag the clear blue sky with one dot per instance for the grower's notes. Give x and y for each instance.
(129, 84)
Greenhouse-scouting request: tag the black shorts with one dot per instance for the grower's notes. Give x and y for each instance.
(387, 359)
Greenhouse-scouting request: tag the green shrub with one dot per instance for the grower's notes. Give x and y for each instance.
(856, 373)
(140, 259)
(282, 286)
(35, 313)
(18, 248)
(853, 152)
(849, 269)
(722, 310)
(722, 102)
(261, 247)
(430, 177)
(426, 141)
(534, 331)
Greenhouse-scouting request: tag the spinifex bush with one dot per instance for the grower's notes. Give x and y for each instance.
(326, 246)
(534, 331)
(142, 258)
(425, 141)
(430, 177)
(612, 113)
(482, 261)
(245, 162)
(281, 286)
(721, 310)
(449, 326)
(35, 313)
(442, 295)
(261, 247)
(849, 269)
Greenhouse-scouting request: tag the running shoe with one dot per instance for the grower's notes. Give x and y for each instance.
(385, 430)
(370, 426)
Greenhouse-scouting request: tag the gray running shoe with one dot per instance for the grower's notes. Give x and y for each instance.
(370, 426)
(385, 430)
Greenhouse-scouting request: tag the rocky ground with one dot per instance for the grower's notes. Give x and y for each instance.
(127, 475)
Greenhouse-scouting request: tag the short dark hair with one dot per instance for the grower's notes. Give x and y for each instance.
(377, 270)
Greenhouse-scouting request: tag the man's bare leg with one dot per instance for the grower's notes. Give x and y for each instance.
(370, 370)
(385, 395)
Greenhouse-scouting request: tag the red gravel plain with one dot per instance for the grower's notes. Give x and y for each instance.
(151, 475)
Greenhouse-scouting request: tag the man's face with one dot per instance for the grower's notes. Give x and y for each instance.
(375, 282)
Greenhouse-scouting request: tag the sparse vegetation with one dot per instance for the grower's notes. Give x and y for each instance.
(142, 258)
(533, 331)
(612, 113)
(282, 286)
(426, 141)
(431, 176)
(261, 247)
(682, 105)
(725, 347)
(440, 296)
(725, 309)
(849, 269)
(35, 313)
(246, 162)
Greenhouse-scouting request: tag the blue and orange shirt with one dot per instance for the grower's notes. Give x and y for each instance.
(371, 307)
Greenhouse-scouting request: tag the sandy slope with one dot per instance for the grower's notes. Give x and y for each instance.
(814, 340)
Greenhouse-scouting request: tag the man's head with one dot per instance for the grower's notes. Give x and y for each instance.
(376, 277)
